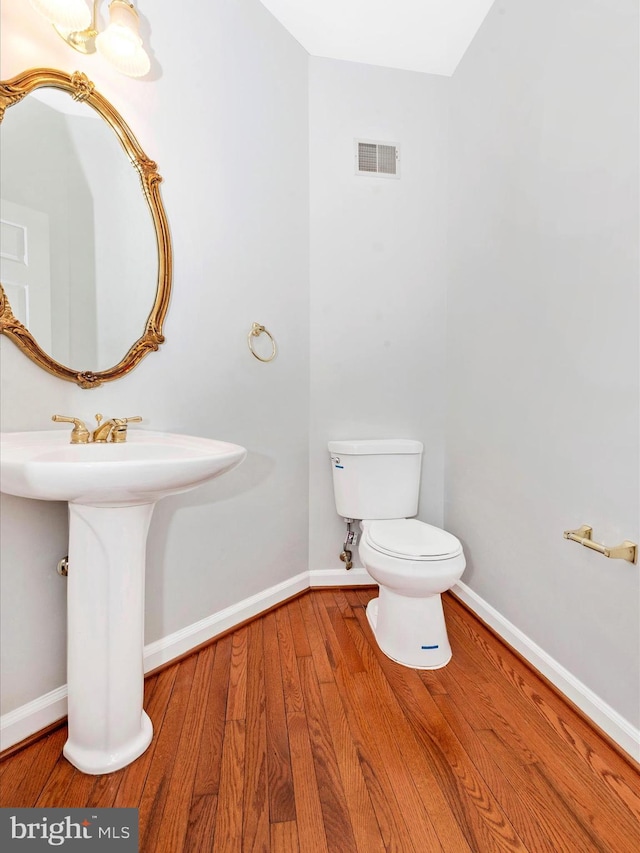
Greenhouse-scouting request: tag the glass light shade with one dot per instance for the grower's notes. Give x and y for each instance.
(120, 43)
(69, 15)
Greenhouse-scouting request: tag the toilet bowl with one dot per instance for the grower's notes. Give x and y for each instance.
(413, 564)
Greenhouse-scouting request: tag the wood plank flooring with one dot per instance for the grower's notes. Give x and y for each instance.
(295, 733)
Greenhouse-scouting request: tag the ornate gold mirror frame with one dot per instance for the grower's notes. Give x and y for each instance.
(82, 89)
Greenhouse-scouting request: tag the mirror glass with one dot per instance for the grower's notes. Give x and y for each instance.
(79, 251)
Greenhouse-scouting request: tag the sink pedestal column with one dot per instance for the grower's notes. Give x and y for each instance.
(108, 728)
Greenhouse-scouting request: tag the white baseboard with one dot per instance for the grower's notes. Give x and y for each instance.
(339, 577)
(172, 646)
(51, 707)
(32, 717)
(602, 714)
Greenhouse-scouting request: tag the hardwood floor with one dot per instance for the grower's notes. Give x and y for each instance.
(295, 733)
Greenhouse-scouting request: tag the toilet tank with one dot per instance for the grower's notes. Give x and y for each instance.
(377, 478)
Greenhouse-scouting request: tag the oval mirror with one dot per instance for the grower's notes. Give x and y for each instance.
(85, 255)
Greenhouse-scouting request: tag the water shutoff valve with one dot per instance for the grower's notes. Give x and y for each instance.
(350, 541)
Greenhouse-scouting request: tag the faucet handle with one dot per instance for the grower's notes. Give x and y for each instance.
(79, 433)
(119, 429)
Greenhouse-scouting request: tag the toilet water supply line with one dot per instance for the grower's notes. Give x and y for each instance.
(351, 539)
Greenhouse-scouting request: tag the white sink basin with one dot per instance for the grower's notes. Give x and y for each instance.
(147, 467)
(111, 490)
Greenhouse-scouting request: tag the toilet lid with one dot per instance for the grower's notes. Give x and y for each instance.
(410, 539)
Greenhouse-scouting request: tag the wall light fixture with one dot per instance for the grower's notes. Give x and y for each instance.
(119, 43)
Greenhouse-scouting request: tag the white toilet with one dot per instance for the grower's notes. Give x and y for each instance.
(377, 482)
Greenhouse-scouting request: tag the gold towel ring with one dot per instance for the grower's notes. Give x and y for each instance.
(256, 331)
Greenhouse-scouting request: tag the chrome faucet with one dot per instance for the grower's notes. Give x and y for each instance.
(113, 431)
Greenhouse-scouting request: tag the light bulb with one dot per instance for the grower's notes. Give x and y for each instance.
(71, 15)
(120, 43)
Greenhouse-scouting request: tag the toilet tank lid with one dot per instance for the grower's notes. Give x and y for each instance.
(376, 446)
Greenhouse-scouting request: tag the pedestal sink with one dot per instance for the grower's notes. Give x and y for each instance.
(111, 490)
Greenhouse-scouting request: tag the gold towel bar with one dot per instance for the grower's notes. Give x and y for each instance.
(626, 551)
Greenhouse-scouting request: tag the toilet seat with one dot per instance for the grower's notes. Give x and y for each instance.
(410, 539)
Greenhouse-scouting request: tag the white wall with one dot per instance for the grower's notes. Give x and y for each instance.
(377, 278)
(225, 117)
(542, 426)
